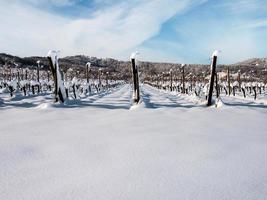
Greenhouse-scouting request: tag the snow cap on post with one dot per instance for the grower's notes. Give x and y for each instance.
(52, 53)
(88, 64)
(216, 53)
(134, 55)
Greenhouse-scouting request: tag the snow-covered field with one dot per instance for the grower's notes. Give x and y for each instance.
(169, 147)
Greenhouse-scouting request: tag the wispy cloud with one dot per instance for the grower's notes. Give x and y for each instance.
(254, 24)
(52, 2)
(217, 25)
(162, 30)
(242, 6)
(111, 31)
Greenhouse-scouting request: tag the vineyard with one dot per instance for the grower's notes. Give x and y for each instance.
(104, 134)
(24, 83)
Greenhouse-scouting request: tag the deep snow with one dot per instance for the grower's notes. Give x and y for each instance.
(169, 147)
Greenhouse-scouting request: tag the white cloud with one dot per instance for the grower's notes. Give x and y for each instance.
(111, 32)
(121, 27)
(243, 6)
(42, 2)
(226, 28)
(254, 24)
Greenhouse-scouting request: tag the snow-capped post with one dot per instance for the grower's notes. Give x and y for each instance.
(255, 91)
(239, 80)
(162, 84)
(243, 90)
(99, 80)
(158, 81)
(60, 92)
(74, 86)
(228, 80)
(17, 70)
(191, 83)
(88, 68)
(183, 79)
(18, 76)
(212, 77)
(88, 65)
(171, 78)
(136, 91)
(26, 74)
(107, 77)
(38, 75)
(38, 71)
(32, 83)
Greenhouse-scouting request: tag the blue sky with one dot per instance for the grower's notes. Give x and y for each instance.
(185, 31)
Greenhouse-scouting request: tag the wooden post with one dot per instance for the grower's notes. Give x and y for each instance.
(18, 75)
(239, 80)
(244, 92)
(10, 73)
(11, 89)
(171, 78)
(234, 87)
(33, 90)
(158, 81)
(255, 92)
(24, 90)
(87, 71)
(38, 76)
(99, 79)
(162, 85)
(136, 96)
(228, 80)
(137, 84)
(38, 71)
(54, 73)
(88, 65)
(212, 76)
(183, 79)
(60, 91)
(107, 77)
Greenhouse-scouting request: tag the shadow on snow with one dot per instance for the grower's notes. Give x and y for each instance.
(146, 98)
(20, 101)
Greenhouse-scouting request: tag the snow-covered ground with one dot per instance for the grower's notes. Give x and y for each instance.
(169, 147)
